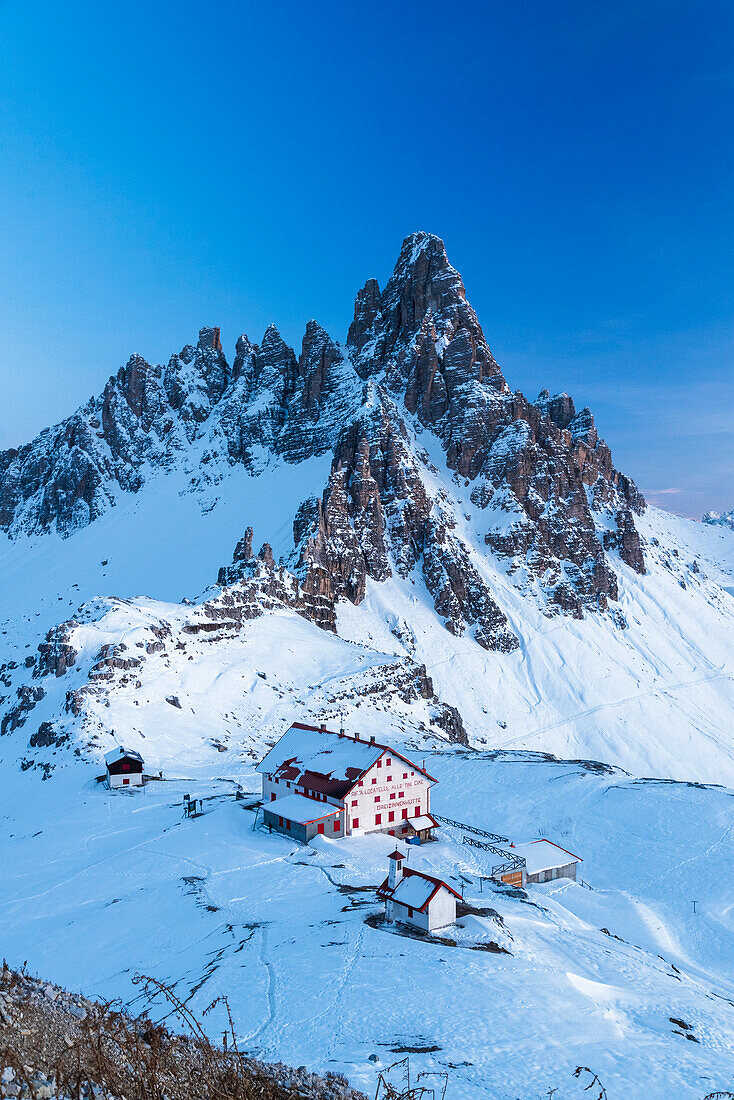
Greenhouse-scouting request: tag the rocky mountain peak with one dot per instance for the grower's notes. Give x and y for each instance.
(559, 408)
(209, 338)
(417, 359)
(423, 337)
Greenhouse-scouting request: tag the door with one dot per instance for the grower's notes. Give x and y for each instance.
(321, 826)
(126, 780)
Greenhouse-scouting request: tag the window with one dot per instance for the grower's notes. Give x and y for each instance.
(392, 795)
(389, 779)
(126, 766)
(354, 801)
(280, 822)
(272, 796)
(336, 824)
(288, 786)
(412, 773)
(360, 784)
(321, 827)
(410, 912)
(405, 812)
(378, 819)
(126, 780)
(374, 780)
(417, 811)
(405, 775)
(391, 815)
(288, 826)
(379, 763)
(377, 798)
(355, 822)
(388, 762)
(401, 794)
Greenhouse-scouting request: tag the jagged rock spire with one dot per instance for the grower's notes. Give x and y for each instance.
(422, 335)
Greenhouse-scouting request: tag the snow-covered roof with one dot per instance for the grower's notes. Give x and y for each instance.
(120, 754)
(415, 889)
(542, 855)
(331, 763)
(425, 821)
(302, 810)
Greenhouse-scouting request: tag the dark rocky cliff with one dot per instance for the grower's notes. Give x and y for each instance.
(557, 510)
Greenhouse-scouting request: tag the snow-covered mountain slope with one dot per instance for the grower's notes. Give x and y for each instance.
(441, 563)
(647, 686)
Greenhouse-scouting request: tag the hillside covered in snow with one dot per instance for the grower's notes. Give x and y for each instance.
(381, 534)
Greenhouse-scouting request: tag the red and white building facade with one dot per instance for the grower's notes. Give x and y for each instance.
(372, 787)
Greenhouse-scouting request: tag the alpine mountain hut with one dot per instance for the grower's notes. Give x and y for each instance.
(315, 781)
(124, 768)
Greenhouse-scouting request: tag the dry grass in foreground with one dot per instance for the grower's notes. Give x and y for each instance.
(54, 1044)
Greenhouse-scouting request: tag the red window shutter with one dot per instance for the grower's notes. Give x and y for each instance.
(125, 781)
(287, 824)
(392, 796)
(272, 796)
(388, 762)
(361, 784)
(410, 912)
(378, 819)
(126, 766)
(336, 824)
(321, 826)
(374, 780)
(417, 812)
(405, 775)
(389, 779)
(379, 763)
(405, 812)
(355, 822)
(354, 801)
(391, 816)
(280, 822)
(401, 794)
(377, 798)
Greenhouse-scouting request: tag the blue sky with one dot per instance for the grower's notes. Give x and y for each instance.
(168, 165)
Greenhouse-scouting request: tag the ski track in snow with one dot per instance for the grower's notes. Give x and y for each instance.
(667, 689)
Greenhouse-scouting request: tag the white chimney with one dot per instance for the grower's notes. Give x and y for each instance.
(395, 873)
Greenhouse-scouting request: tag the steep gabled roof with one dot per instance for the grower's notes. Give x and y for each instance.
(415, 889)
(121, 754)
(324, 761)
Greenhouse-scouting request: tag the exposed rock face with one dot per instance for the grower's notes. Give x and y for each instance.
(553, 502)
(56, 653)
(717, 519)
(254, 584)
(376, 515)
(28, 695)
(542, 463)
(293, 408)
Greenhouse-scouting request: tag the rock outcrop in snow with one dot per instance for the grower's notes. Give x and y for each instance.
(719, 519)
